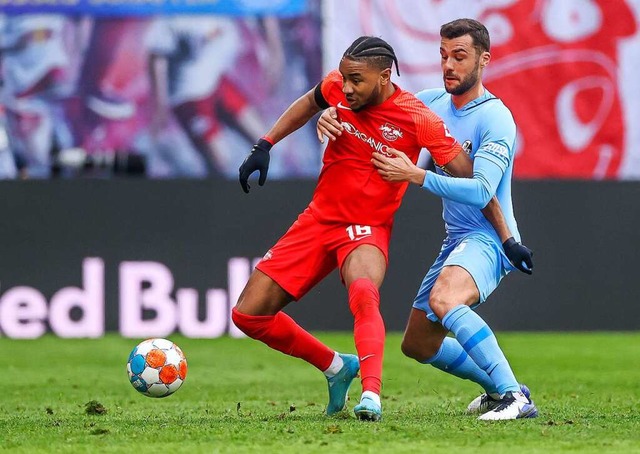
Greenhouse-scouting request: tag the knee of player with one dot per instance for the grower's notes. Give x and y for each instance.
(409, 349)
(363, 296)
(239, 319)
(254, 326)
(420, 350)
(441, 303)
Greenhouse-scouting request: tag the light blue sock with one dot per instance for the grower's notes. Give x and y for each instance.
(479, 342)
(452, 358)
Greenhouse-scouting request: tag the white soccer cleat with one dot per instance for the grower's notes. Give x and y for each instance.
(487, 402)
(482, 404)
(512, 406)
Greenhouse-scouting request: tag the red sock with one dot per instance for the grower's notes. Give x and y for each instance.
(281, 333)
(368, 332)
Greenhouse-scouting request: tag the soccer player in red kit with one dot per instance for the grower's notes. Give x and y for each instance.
(348, 222)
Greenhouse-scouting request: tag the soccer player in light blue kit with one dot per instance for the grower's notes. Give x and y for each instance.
(472, 261)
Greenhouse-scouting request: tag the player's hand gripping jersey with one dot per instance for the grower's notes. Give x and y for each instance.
(349, 189)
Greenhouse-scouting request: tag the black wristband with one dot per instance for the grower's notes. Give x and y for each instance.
(264, 144)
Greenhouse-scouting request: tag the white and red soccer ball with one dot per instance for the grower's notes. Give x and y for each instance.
(157, 367)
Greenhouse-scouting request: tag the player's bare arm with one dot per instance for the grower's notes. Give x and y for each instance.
(296, 115)
(493, 213)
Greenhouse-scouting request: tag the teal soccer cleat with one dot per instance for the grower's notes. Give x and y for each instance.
(340, 382)
(368, 410)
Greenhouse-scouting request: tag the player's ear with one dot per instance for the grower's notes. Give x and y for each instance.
(485, 58)
(385, 76)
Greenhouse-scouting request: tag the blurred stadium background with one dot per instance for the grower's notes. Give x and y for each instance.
(122, 125)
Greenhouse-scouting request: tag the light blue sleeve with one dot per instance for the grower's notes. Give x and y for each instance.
(497, 136)
(430, 94)
(491, 161)
(476, 191)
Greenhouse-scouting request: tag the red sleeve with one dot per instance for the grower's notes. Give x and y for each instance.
(431, 132)
(330, 83)
(434, 135)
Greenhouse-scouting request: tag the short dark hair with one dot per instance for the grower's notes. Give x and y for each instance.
(379, 53)
(460, 27)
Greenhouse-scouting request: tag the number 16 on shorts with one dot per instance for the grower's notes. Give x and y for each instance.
(358, 232)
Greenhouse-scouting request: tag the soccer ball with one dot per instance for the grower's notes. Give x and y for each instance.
(157, 367)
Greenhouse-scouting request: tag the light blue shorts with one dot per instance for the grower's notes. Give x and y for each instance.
(479, 254)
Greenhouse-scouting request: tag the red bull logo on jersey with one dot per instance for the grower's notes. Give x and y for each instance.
(390, 132)
(373, 143)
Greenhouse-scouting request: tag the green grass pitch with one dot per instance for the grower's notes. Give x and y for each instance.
(240, 396)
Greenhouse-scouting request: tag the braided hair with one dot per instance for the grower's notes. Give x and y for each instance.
(377, 50)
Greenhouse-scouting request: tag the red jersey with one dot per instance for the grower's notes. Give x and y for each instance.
(349, 189)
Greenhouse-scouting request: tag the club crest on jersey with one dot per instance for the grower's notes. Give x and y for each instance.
(390, 132)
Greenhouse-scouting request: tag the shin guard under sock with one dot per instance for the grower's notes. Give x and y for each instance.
(282, 333)
(368, 332)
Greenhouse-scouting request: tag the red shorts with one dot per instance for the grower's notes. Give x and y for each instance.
(309, 251)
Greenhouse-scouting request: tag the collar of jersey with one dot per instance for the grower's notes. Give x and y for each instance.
(471, 105)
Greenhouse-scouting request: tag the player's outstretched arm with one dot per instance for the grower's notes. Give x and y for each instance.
(473, 190)
(479, 189)
(395, 166)
(296, 115)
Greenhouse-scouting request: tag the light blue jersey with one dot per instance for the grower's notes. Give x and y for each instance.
(487, 125)
(486, 129)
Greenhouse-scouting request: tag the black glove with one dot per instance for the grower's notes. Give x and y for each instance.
(520, 255)
(258, 159)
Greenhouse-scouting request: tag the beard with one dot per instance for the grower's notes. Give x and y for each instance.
(466, 83)
(373, 97)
